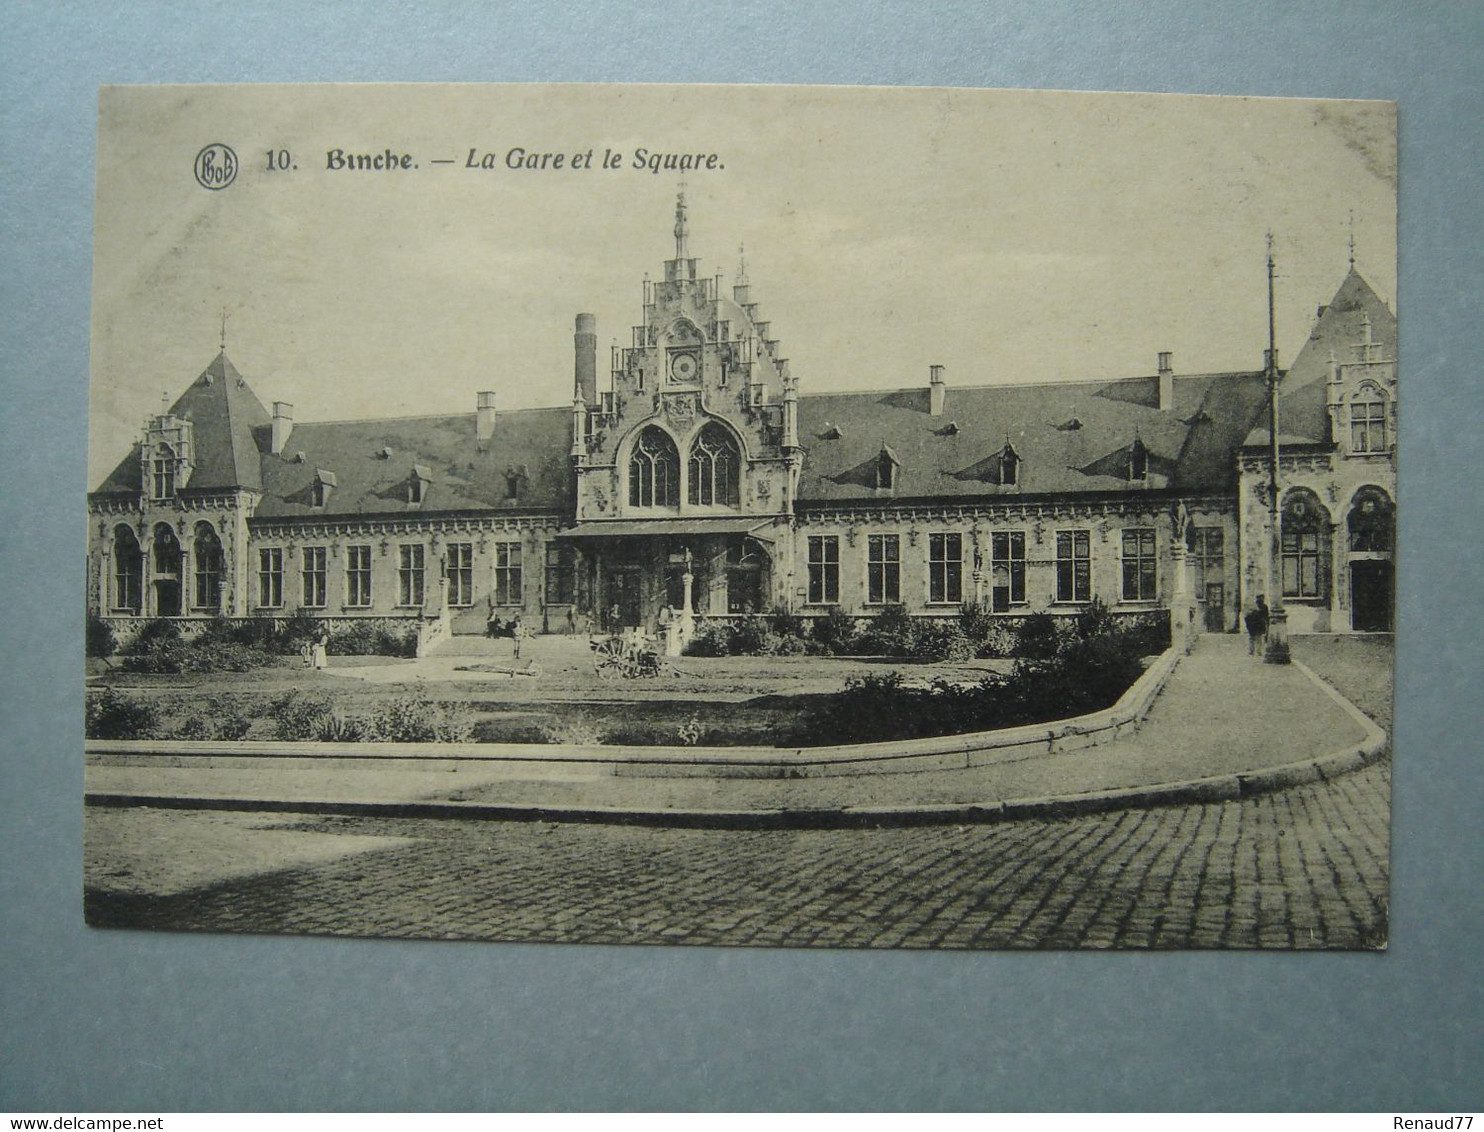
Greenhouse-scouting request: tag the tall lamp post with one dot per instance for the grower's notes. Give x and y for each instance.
(1276, 650)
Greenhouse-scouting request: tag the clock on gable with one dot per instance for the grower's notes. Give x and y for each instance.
(685, 366)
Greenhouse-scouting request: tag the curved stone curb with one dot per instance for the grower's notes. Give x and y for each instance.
(942, 752)
(1217, 788)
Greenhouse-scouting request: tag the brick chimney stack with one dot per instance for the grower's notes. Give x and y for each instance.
(585, 347)
(937, 390)
(283, 424)
(1166, 381)
(484, 416)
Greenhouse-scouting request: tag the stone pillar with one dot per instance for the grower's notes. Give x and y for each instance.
(684, 625)
(1184, 621)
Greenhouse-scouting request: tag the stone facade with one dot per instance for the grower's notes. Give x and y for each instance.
(702, 478)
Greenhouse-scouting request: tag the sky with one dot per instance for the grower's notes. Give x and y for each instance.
(1009, 236)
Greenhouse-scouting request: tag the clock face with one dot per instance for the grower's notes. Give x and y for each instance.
(684, 367)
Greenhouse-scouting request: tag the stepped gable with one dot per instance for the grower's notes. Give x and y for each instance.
(1303, 414)
(1070, 438)
(227, 420)
(529, 446)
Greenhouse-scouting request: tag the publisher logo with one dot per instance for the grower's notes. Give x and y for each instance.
(216, 166)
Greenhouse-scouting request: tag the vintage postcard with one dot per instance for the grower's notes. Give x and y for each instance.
(792, 516)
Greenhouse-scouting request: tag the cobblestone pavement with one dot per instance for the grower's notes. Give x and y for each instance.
(1301, 868)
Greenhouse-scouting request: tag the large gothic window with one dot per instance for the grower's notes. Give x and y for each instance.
(1368, 421)
(715, 464)
(1305, 547)
(128, 571)
(1372, 520)
(162, 473)
(207, 558)
(654, 471)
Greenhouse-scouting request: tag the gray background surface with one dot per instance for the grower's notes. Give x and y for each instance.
(93, 1020)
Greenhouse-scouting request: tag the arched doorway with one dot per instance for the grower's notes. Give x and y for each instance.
(1371, 529)
(166, 561)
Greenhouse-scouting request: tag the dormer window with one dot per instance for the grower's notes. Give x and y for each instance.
(319, 490)
(1138, 462)
(1009, 466)
(515, 479)
(162, 473)
(1368, 421)
(417, 484)
(887, 466)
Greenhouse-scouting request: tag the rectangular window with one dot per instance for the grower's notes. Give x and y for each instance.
(1007, 568)
(561, 573)
(1368, 426)
(1073, 566)
(358, 576)
(824, 569)
(1208, 557)
(883, 569)
(507, 573)
(270, 577)
(208, 578)
(945, 569)
(128, 582)
(1139, 573)
(1300, 564)
(314, 576)
(410, 574)
(460, 573)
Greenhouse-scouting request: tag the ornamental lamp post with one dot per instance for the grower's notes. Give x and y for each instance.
(1276, 650)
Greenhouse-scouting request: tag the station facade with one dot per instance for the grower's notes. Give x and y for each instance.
(698, 476)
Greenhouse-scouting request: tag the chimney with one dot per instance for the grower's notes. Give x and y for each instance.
(585, 346)
(484, 416)
(283, 424)
(937, 391)
(1166, 381)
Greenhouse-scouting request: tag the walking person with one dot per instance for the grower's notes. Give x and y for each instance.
(1257, 627)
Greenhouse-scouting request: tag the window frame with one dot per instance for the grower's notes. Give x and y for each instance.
(1141, 567)
(644, 471)
(1372, 425)
(508, 566)
(1012, 563)
(945, 568)
(883, 574)
(314, 563)
(715, 461)
(207, 567)
(162, 472)
(270, 577)
(357, 575)
(823, 569)
(412, 564)
(1074, 569)
(458, 568)
(559, 579)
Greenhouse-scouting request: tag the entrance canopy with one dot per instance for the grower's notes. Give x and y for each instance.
(683, 527)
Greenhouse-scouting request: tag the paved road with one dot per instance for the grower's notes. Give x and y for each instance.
(1302, 868)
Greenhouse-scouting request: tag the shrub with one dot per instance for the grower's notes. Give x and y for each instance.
(785, 624)
(367, 639)
(417, 718)
(941, 640)
(753, 636)
(101, 641)
(711, 638)
(112, 715)
(835, 631)
(977, 621)
(889, 633)
(1096, 620)
(793, 646)
(300, 715)
(154, 633)
(1037, 638)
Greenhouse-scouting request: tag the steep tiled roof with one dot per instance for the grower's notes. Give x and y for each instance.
(373, 460)
(1302, 410)
(226, 415)
(1070, 437)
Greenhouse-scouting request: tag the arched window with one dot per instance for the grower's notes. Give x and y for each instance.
(128, 571)
(207, 557)
(1138, 462)
(654, 471)
(715, 466)
(1368, 420)
(162, 473)
(1305, 547)
(1372, 521)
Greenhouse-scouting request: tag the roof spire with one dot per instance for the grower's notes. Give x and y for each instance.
(224, 330)
(682, 229)
(742, 265)
(1352, 239)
